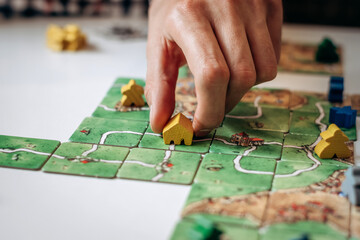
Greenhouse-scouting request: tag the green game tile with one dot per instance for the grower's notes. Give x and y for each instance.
(203, 196)
(314, 230)
(106, 108)
(184, 229)
(160, 166)
(199, 145)
(222, 144)
(309, 103)
(295, 147)
(298, 174)
(26, 153)
(109, 131)
(227, 169)
(271, 119)
(86, 160)
(304, 123)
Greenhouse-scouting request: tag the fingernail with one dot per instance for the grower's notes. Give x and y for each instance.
(202, 132)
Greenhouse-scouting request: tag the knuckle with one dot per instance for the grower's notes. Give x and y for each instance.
(187, 7)
(246, 76)
(214, 74)
(267, 73)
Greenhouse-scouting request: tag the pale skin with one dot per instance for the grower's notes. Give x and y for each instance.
(229, 46)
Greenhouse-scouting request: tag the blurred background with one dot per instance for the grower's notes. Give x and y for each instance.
(323, 12)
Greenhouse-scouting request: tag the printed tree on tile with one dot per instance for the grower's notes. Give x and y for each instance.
(333, 143)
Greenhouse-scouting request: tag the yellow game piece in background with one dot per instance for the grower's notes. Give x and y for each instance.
(132, 95)
(333, 143)
(177, 129)
(69, 38)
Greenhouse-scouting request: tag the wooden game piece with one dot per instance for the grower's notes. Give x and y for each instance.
(333, 143)
(179, 128)
(326, 52)
(336, 89)
(204, 229)
(343, 117)
(69, 38)
(132, 94)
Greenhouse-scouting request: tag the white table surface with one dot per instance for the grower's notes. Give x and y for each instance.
(46, 95)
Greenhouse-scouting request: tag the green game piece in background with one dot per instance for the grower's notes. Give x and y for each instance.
(106, 109)
(221, 143)
(153, 140)
(160, 166)
(27, 153)
(109, 131)
(230, 169)
(228, 231)
(86, 160)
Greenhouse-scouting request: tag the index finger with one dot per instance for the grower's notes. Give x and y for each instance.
(207, 63)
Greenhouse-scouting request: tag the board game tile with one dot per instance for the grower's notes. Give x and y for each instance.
(291, 174)
(285, 231)
(308, 210)
(311, 123)
(227, 203)
(304, 123)
(355, 222)
(86, 160)
(260, 118)
(109, 131)
(221, 143)
(308, 101)
(229, 232)
(153, 140)
(300, 58)
(106, 109)
(240, 171)
(26, 153)
(160, 166)
(299, 148)
(267, 97)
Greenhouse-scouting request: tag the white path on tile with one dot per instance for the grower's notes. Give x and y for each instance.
(322, 126)
(309, 151)
(297, 172)
(238, 167)
(24, 150)
(160, 168)
(224, 141)
(140, 163)
(103, 139)
(259, 111)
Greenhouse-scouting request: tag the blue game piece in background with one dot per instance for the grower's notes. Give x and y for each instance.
(343, 117)
(336, 89)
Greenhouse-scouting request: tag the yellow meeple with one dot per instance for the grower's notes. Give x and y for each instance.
(69, 38)
(333, 143)
(132, 95)
(179, 128)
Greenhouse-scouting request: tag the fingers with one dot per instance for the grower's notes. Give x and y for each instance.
(162, 70)
(274, 22)
(207, 64)
(231, 35)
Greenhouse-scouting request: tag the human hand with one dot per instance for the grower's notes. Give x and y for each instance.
(229, 45)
